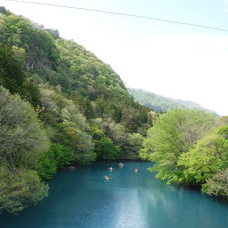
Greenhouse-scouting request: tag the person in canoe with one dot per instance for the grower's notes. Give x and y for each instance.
(121, 165)
(107, 178)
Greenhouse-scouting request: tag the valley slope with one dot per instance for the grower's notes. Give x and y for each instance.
(160, 103)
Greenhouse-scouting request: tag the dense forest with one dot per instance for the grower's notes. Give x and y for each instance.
(161, 104)
(190, 147)
(60, 105)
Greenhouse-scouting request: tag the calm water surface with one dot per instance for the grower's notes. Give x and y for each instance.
(82, 199)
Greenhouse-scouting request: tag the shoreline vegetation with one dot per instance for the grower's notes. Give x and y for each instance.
(60, 105)
(190, 147)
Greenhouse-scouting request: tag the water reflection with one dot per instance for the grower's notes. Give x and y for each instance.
(129, 212)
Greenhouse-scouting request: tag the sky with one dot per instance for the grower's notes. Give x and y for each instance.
(172, 60)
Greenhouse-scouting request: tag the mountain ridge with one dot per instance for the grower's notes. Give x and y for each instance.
(161, 103)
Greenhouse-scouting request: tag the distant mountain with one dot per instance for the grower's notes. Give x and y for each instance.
(161, 104)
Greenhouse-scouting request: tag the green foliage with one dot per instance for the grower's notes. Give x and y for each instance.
(22, 142)
(104, 146)
(30, 92)
(19, 55)
(104, 93)
(79, 141)
(203, 161)
(11, 74)
(206, 158)
(128, 143)
(134, 143)
(63, 155)
(223, 131)
(37, 42)
(84, 66)
(20, 189)
(173, 134)
(71, 127)
(58, 156)
(22, 137)
(105, 149)
(186, 148)
(218, 184)
(97, 89)
(58, 108)
(47, 165)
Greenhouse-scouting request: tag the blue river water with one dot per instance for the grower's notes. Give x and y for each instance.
(83, 199)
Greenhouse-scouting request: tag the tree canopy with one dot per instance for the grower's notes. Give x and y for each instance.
(173, 134)
(189, 147)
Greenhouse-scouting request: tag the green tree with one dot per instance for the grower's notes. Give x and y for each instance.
(22, 137)
(57, 156)
(63, 155)
(47, 165)
(106, 149)
(173, 134)
(20, 189)
(79, 141)
(134, 144)
(30, 92)
(203, 161)
(11, 74)
(218, 184)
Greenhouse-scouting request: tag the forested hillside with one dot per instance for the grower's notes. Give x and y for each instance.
(161, 104)
(59, 105)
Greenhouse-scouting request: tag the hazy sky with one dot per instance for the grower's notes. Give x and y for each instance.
(171, 60)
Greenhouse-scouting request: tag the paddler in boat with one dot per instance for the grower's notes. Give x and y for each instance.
(107, 178)
(121, 165)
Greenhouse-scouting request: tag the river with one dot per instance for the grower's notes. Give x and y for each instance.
(83, 199)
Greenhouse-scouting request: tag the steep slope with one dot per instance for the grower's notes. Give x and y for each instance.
(47, 58)
(73, 103)
(162, 104)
